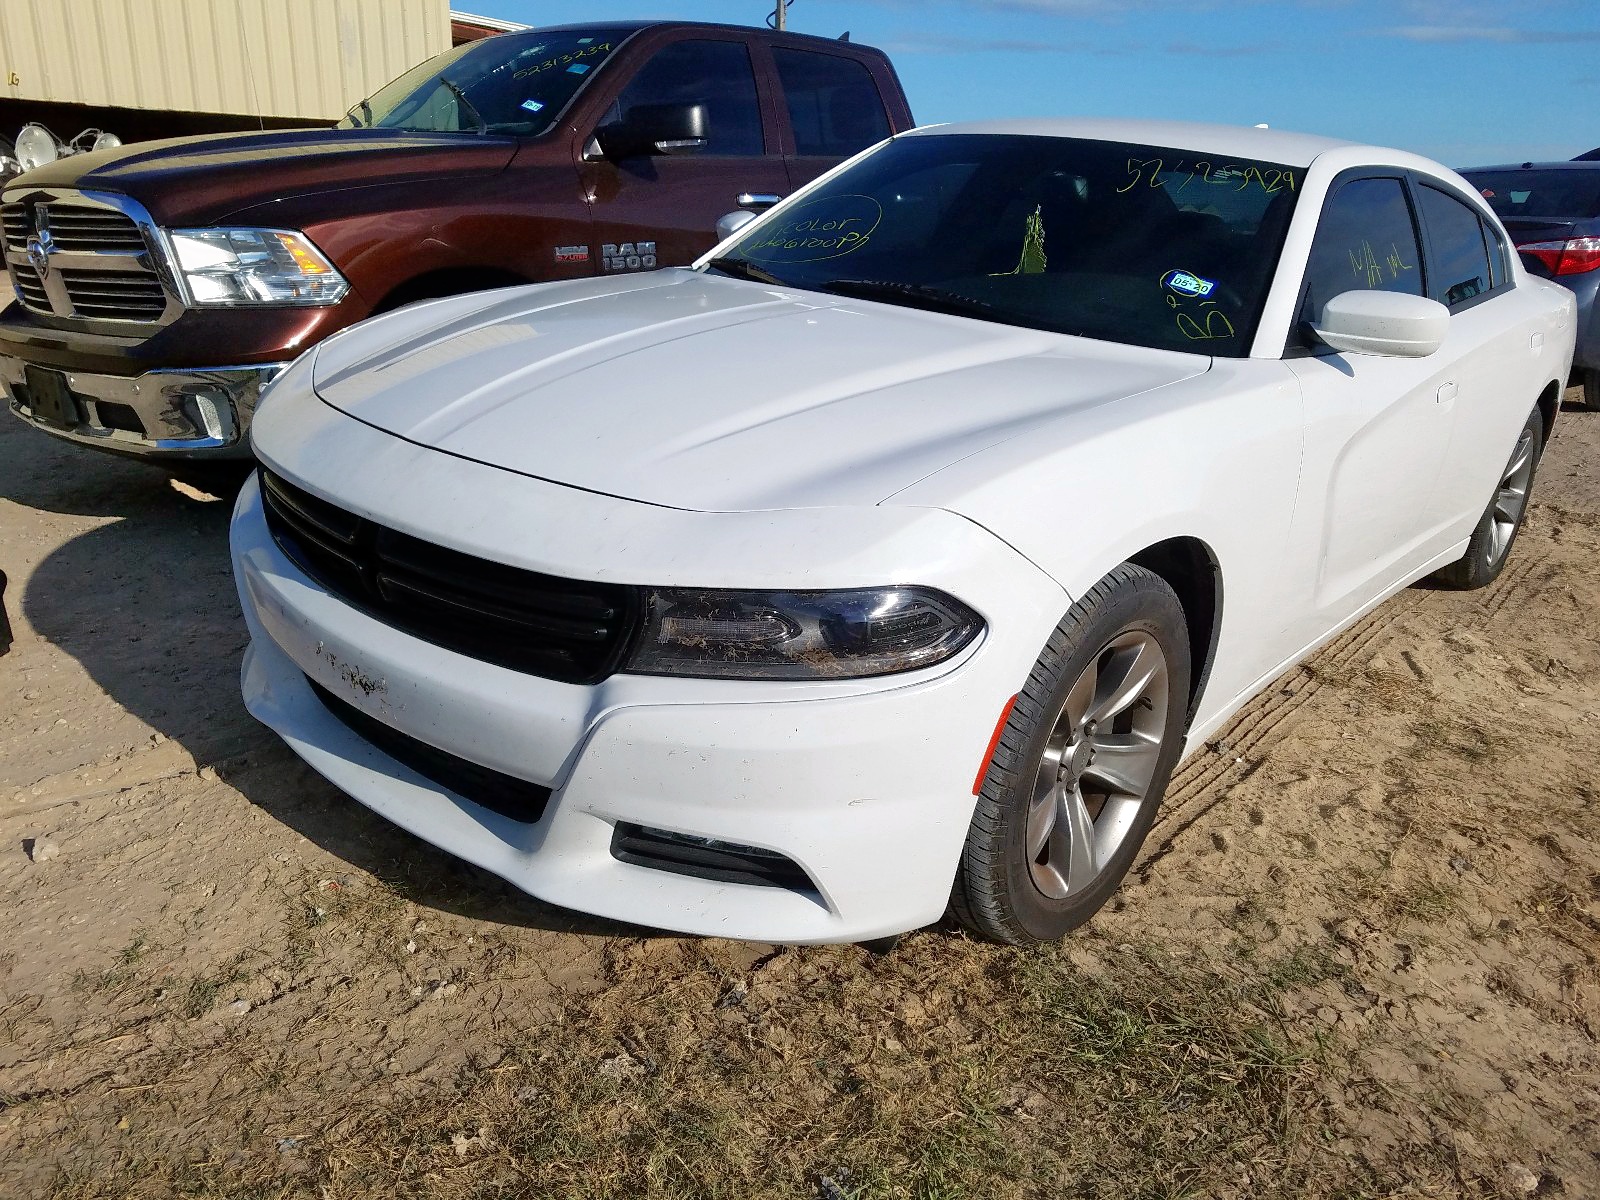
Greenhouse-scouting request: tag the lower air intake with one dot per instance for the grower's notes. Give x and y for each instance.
(706, 858)
(491, 789)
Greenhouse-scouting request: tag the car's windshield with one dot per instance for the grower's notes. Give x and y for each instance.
(1158, 247)
(514, 83)
(1565, 194)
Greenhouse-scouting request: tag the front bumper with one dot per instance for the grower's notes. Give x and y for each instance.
(161, 413)
(865, 785)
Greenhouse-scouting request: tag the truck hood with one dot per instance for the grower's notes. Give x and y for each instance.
(699, 391)
(204, 179)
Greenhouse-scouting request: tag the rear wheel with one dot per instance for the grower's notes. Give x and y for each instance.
(1590, 382)
(1496, 532)
(1081, 765)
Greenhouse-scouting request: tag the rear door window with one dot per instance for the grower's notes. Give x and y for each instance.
(833, 102)
(1461, 271)
(1366, 240)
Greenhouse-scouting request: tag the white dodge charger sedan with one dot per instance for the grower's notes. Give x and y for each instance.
(887, 561)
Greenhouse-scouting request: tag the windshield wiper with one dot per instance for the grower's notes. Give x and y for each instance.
(912, 295)
(744, 270)
(461, 99)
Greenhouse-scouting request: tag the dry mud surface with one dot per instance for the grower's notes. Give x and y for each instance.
(1358, 956)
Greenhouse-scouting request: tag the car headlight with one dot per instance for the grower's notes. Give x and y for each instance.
(230, 267)
(799, 635)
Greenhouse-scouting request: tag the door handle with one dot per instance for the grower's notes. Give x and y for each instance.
(757, 199)
(1447, 392)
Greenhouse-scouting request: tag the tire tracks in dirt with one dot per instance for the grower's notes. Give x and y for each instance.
(1246, 742)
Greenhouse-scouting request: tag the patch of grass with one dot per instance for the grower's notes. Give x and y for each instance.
(1460, 739)
(201, 994)
(941, 1072)
(114, 977)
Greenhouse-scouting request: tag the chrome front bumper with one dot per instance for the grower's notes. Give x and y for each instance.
(201, 413)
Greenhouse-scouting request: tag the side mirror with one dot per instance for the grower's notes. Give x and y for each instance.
(649, 129)
(729, 224)
(1387, 323)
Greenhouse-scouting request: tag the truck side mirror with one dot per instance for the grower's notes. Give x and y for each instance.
(650, 129)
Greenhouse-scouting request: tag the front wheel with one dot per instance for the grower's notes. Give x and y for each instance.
(1496, 531)
(1081, 765)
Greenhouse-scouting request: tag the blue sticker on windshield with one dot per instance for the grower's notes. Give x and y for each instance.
(578, 68)
(1186, 284)
(532, 105)
(584, 41)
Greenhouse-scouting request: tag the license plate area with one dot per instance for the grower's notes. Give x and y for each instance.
(51, 399)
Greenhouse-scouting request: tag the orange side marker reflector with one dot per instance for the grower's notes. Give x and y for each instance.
(999, 728)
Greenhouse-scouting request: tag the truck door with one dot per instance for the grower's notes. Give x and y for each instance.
(662, 209)
(834, 108)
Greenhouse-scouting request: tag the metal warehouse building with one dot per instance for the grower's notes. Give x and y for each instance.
(154, 68)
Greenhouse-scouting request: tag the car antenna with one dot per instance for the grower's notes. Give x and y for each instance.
(845, 36)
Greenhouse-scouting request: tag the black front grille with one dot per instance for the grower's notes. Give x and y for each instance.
(30, 287)
(562, 629)
(703, 858)
(498, 792)
(115, 295)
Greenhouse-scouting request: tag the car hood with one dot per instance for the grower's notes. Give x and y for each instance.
(204, 179)
(698, 391)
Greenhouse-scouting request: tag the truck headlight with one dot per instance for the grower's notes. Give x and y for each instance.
(230, 267)
(799, 635)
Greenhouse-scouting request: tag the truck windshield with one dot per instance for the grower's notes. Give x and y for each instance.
(1153, 246)
(514, 83)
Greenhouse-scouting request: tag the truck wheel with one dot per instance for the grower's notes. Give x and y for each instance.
(1491, 542)
(1081, 765)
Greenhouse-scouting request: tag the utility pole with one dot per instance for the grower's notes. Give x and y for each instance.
(782, 15)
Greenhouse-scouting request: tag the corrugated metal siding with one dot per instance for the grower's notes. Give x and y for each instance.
(269, 58)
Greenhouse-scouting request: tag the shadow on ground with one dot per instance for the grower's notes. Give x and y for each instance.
(145, 604)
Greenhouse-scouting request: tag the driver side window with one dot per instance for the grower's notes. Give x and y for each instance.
(1366, 240)
(715, 74)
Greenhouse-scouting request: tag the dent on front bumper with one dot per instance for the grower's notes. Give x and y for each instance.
(169, 414)
(866, 785)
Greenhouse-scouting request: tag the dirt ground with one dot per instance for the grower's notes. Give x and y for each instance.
(1360, 956)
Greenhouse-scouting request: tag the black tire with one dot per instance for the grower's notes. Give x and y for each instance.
(1490, 547)
(1589, 381)
(996, 893)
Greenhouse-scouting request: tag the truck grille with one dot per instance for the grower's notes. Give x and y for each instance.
(115, 295)
(561, 629)
(100, 266)
(77, 227)
(16, 226)
(30, 288)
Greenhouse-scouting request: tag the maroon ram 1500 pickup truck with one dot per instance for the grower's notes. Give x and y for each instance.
(160, 285)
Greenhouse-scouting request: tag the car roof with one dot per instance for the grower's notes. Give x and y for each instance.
(1270, 145)
(1560, 164)
(710, 26)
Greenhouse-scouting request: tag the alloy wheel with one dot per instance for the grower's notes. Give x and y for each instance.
(1511, 498)
(1098, 764)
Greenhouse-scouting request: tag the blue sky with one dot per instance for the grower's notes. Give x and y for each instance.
(1463, 81)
